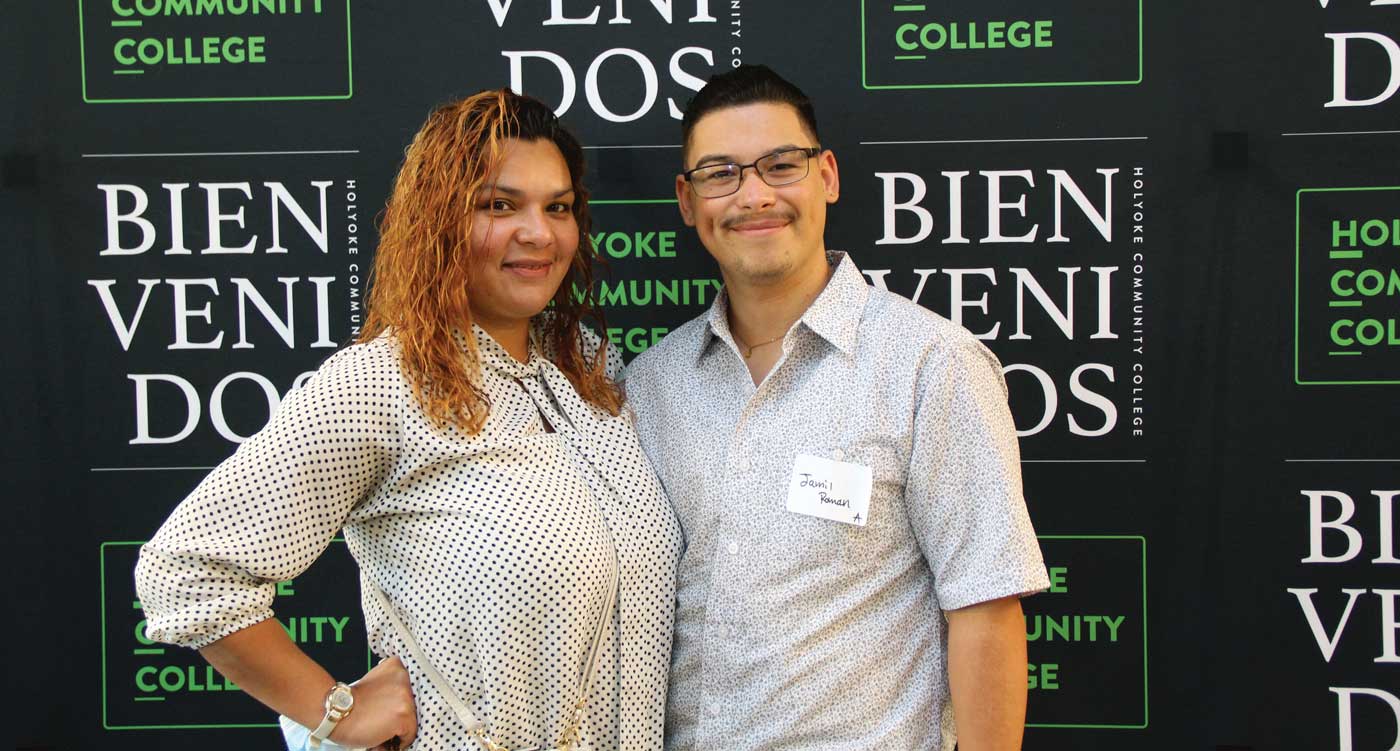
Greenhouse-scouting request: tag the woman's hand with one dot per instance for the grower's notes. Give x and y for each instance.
(384, 710)
(265, 663)
(268, 666)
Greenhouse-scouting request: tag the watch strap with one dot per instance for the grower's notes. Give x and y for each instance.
(332, 718)
(323, 730)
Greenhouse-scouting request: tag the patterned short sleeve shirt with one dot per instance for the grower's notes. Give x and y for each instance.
(495, 548)
(797, 632)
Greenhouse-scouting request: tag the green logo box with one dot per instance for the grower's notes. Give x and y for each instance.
(1087, 636)
(1346, 296)
(152, 686)
(908, 44)
(214, 50)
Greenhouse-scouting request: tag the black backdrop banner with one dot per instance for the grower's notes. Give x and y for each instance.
(1176, 223)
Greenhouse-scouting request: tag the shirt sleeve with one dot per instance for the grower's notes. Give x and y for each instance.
(964, 483)
(268, 511)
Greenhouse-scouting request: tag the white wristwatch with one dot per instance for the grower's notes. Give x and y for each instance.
(339, 702)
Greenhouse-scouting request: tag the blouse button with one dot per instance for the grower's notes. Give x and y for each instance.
(733, 548)
(838, 454)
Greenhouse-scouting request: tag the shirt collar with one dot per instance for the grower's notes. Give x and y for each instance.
(492, 355)
(834, 315)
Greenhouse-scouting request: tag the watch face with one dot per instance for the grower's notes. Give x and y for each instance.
(341, 699)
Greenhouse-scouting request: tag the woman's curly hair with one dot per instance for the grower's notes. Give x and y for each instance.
(422, 269)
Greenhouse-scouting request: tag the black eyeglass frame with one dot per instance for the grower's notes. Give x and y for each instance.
(810, 151)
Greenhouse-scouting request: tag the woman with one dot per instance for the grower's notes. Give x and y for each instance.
(472, 445)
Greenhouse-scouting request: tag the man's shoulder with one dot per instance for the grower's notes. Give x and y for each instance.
(674, 352)
(896, 321)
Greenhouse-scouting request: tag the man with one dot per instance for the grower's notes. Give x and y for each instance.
(843, 465)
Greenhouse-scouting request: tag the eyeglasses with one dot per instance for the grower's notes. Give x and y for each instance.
(776, 169)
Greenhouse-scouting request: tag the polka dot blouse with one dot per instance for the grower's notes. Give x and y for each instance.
(495, 548)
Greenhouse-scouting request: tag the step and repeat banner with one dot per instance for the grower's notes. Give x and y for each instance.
(1176, 224)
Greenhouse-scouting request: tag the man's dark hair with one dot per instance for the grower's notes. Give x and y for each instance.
(746, 84)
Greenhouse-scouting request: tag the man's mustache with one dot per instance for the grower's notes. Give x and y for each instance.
(785, 215)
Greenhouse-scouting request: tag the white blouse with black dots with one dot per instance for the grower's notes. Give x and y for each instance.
(496, 547)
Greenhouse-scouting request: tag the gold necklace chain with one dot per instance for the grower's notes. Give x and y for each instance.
(749, 348)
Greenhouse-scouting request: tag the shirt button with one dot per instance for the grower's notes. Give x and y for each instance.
(715, 708)
(838, 454)
(742, 464)
(733, 548)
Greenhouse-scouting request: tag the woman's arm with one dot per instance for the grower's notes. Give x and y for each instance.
(269, 667)
(207, 578)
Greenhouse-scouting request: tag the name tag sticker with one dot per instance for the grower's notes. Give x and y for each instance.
(839, 491)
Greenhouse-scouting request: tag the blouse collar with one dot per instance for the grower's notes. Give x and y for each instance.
(493, 355)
